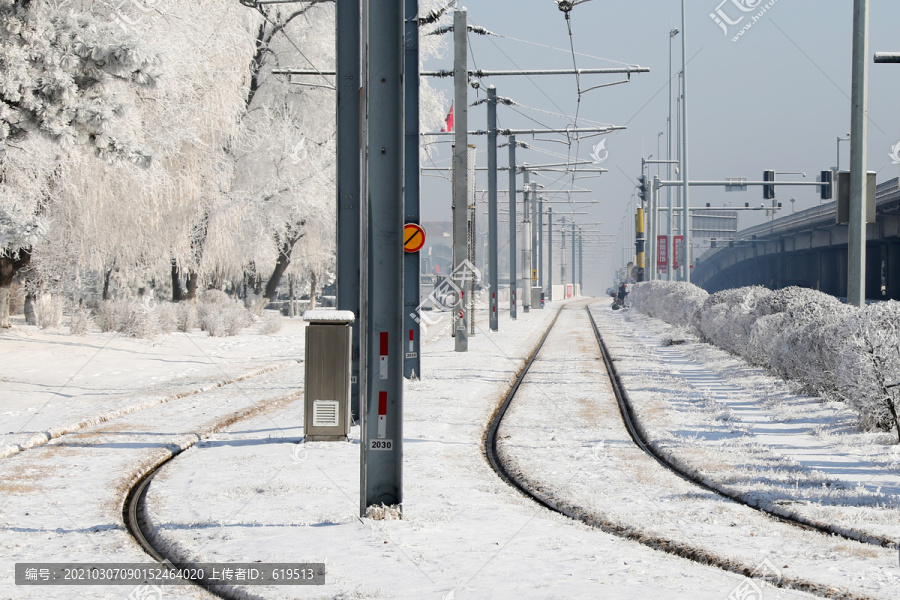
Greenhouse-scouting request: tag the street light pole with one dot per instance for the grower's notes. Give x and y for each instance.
(859, 135)
(671, 276)
(686, 228)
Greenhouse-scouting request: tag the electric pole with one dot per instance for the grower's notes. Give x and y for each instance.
(460, 177)
(493, 259)
(382, 425)
(412, 367)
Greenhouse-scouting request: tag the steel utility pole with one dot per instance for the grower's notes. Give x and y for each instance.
(671, 230)
(574, 260)
(562, 256)
(526, 239)
(581, 262)
(512, 228)
(859, 136)
(550, 254)
(493, 258)
(460, 176)
(686, 203)
(535, 226)
(541, 242)
(382, 426)
(349, 200)
(412, 367)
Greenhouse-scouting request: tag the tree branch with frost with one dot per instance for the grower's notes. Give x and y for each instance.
(58, 76)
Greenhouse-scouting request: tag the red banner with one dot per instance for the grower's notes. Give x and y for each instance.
(662, 253)
(677, 247)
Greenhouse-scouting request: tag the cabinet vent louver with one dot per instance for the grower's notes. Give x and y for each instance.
(325, 413)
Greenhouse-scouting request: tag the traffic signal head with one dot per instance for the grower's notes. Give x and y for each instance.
(642, 187)
(827, 190)
(768, 190)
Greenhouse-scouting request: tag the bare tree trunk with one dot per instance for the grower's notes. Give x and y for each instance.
(191, 285)
(281, 265)
(177, 290)
(312, 292)
(291, 296)
(4, 307)
(30, 312)
(9, 266)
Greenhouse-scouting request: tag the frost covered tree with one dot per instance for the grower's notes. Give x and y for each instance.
(286, 154)
(60, 74)
(115, 222)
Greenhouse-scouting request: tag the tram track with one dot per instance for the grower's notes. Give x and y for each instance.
(134, 510)
(627, 531)
(55, 433)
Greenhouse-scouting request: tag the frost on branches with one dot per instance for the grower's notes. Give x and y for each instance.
(58, 74)
(833, 349)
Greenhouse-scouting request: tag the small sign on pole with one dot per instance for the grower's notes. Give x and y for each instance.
(413, 237)
(662, 253)
(677, 244)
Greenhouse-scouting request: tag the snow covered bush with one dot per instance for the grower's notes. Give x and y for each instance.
(49, 309)
(167, 317)
(271, 322)
(186, 315)
(79, 321)
(803, 335)
(727, 317)
(129, 317)
(676, 303)
(220, 316)
(868, 368)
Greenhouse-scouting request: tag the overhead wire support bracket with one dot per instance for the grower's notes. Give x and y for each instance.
(538, 72)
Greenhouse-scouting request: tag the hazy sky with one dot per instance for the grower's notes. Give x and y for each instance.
(776, 99)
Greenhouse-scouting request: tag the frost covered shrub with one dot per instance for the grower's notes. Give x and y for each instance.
(79, 321)
(138, 321)
(215, 297)
(220, 316)
(167, 316)
(186, 316)
(108, 316)
(134, 319)
(868, 368)
(49, 310)
(804, 335)
(807, 343)
(674, 302)
(271, 323)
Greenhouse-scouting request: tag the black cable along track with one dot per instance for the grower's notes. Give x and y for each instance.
(588, 517)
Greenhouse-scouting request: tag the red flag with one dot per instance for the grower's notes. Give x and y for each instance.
(448, 122)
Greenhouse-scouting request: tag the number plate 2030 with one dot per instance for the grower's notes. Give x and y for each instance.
(381, 444)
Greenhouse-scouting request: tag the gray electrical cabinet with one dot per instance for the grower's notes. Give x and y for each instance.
(536, 297)
(327, 381)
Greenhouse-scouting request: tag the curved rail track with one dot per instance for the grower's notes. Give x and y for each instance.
(58, 432)
(694, 554)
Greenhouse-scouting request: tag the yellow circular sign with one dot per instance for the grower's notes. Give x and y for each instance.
(413, 237)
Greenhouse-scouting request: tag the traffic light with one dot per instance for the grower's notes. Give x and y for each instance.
(827, 191)
(768, 190)
(642, 187)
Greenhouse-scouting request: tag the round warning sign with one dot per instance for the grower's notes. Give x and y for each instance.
(413, 237)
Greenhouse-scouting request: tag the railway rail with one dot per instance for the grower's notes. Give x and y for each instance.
(695, 554)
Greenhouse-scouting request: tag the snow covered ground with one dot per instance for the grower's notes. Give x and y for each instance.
(745, 430)
(465, 534)
(566, 438)
(246, 489)
(53, 382)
